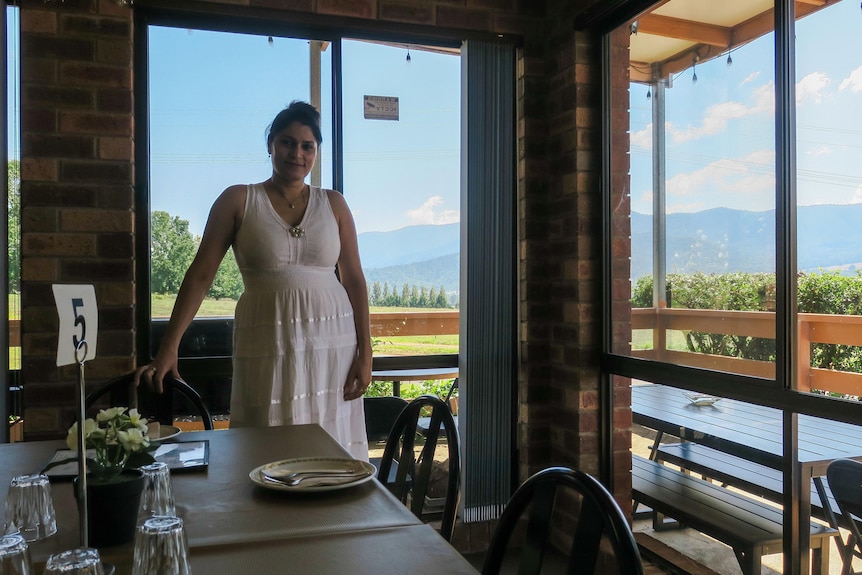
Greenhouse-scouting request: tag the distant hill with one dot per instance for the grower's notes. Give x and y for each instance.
(408, 245)
(437, 272)
(713, 241)
(724, 240)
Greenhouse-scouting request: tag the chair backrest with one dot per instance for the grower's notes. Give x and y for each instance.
(413, 474)
(599, 514)
(845, 481)
(153, 405)
(381, 413)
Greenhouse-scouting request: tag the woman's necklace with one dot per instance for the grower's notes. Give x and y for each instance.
(296, 231)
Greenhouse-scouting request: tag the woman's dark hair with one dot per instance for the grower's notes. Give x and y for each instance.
(297, 111)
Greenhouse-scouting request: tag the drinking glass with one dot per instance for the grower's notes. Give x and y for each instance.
(29, 507)
(80, 561)
(14, 555)
(157, 497)
(161, 547)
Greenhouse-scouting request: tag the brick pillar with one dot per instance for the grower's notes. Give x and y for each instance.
(76, 193)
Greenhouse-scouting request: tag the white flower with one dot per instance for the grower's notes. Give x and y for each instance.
(110, 413)
(136, 419)
(133, 439)
(90, 427)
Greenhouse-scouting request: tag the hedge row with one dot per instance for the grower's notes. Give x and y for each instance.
(822, 292)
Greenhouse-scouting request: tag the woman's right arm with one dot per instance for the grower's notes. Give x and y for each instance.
(219, 233)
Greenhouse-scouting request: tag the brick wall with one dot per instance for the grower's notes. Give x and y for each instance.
(77, 198)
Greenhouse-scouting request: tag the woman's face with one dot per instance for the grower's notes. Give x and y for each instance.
(293, 152)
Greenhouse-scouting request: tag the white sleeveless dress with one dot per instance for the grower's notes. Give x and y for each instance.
(294, 336)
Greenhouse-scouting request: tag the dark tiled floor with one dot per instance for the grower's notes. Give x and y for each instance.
(554, 563)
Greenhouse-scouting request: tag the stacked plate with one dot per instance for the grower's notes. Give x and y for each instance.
(312, 474)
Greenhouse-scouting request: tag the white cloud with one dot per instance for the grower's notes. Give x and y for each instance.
(812, 88)
(857, 196)
(716, 118)
(428, 213)
(739, 183)
(853, 82)
(642, 138)
(822, 150)
(750, 78)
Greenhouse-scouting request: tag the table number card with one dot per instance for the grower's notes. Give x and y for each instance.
(79, 321)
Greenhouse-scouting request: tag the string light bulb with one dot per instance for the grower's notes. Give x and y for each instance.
(649, 94)
(408, 55)
(729, 61)
(694, 70)
(270, 41)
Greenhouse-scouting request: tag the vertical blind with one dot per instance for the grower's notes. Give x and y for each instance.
(488, 309)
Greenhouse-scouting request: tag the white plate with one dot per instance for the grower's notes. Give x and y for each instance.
(165, 432)
(364, 472)
(700, 399)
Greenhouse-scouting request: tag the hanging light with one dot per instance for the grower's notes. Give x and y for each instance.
(649, 94)
(729, 61)
(694, 69)
(408, 55)
(270, 41)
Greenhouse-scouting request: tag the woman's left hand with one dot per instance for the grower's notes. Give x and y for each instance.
(358, 380)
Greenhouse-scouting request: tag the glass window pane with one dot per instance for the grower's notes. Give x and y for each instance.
(829, 195)
(694, 193)
(402, 180)
(211, 98)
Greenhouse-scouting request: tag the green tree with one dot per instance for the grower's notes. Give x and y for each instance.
(228, 279)
(376, 294)
(173, 249)
(13, 205)
(442, 300)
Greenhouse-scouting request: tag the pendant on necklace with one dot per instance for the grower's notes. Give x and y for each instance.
(291, 206)
(297, 232)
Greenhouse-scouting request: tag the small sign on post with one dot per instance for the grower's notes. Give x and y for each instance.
(76, 343)
(381, 108)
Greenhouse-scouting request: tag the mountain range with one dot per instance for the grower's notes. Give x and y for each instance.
(712, 241)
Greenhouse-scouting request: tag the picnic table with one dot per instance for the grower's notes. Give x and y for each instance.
(751, 432)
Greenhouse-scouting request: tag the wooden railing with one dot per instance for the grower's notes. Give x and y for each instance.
(813, 328)
(391, 324)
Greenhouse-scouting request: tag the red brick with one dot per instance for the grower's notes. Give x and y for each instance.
(95, 123)
(114, 100)
(350, 8)
(285, 5)
(58, 195)
(95, 75)
(57, 146)
(56, 97)
(39, 219)
(96, 172)
(114, 51)
(42, 21)
(54, 47)
(58, 244)
(38, 269)
(75, 24)
(115, 148)
(72, 220)
(461, 18)
(404, 12)
(35, 169)
(92, 270)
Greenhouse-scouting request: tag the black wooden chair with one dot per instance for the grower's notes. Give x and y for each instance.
(381, 413)
(155, 406)
(598, 515)
(845, 481)
(412, 473)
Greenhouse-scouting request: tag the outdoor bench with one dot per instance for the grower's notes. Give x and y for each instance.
(752, 528)
(741, 473)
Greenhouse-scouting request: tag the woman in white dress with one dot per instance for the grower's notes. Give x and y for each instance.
(302, 344)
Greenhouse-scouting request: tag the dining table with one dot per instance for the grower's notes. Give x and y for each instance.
(232, 521)
(752, 432)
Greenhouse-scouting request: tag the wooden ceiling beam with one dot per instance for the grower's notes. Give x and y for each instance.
(680, 29)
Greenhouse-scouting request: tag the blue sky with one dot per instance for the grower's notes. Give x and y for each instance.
(213, 95)
(720, 130)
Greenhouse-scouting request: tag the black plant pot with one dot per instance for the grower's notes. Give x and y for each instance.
(112, 509)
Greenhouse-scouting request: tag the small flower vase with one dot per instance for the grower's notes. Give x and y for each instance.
(112, 509)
